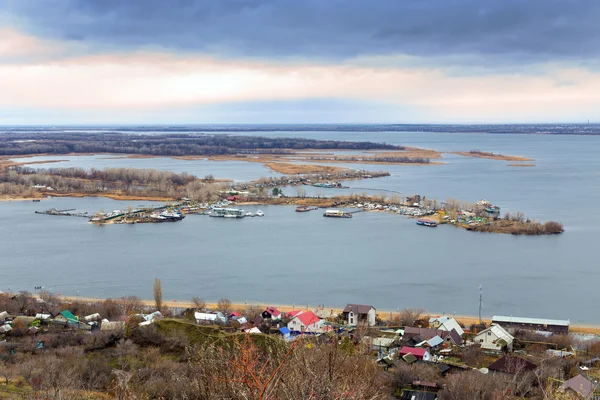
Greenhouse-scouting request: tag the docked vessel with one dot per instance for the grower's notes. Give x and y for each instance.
(227, 213)
(427, 222)
(337, 214)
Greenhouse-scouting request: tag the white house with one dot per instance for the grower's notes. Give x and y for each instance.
(494, 338)
(355, 314)
(446, 324)
(307, 322)
(206, 317)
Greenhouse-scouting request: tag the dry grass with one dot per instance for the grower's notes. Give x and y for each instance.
(303, 169)
(490, 156)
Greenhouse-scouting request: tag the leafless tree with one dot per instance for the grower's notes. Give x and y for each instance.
(224, 305)
(131, 305)
(409, 316)
(199, 303)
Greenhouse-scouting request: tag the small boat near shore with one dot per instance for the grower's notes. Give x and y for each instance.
(259, 213)
(305, 208)
(427, 222)
(337, 214)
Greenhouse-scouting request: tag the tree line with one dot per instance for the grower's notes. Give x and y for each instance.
(16, 143)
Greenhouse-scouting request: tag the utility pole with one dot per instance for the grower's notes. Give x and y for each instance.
(480, 303)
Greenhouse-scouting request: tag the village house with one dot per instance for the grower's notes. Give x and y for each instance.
(581, 387)
(494, 338)
(271, 313)
(446, 324)
(307, 322)
(66, 317)
(217, 317)
(511, 364)
(413, 336)
(419, 353)
(355, 314)
(535, 324)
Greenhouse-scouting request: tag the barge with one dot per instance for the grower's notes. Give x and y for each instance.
(337, 214)
(427, 222)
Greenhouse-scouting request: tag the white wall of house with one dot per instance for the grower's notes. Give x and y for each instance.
(295, 325)
(371, 317)
(491, 338)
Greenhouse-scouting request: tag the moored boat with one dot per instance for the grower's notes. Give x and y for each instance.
(337, 214)
(259, 213)
(304, 208)
(427, 222)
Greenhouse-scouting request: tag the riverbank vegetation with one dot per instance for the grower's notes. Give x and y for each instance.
(121, 183)
(47, 142)
(491, 156)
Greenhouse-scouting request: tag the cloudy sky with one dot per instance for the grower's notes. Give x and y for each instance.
(286, 61)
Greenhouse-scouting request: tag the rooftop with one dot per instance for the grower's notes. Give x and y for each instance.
(533, 321)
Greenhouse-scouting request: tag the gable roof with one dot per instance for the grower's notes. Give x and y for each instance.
(68, 315)
(273, 311)
(511, 364)
(456, 338)
(415, 351)
(580, 385)
(293, 313)
(425, 333)
(499, 331)
(451, 323)
(358, 308)
(307, 318)
(435, 341)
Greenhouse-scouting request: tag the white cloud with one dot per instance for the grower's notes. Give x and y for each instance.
(151, 82)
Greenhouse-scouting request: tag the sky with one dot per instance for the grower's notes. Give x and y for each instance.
(308, 61)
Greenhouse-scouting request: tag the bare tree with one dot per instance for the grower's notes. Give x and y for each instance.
(131, 305)
(409, 316)
(158, 297)
(199, 303)
(224, 305)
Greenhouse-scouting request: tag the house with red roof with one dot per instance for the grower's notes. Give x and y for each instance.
(293, 313)
(307, 322)
(271, 313)
(420, 353)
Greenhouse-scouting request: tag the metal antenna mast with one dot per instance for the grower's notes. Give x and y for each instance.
(480, 303)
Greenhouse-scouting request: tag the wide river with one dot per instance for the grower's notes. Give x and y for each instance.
(374, 258)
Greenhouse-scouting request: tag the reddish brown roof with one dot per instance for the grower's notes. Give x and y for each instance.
(418, 352)
(273, 311)
(512, 364)
(307, 318)
(357, 308)
(425, 333)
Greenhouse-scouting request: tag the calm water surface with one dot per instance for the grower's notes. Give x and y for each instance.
(381, 259)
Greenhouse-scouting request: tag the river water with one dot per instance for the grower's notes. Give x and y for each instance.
(374, 258)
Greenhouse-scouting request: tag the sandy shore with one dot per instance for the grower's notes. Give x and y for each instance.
(491, 156)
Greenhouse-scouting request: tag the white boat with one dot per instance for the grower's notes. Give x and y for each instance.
(259, 213)
(249, 214)
(227, 213)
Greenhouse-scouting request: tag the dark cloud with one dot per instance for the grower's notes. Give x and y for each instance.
(504, 30)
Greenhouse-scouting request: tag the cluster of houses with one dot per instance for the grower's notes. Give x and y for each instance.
(437, 340)
(296, 321)
(66, 318)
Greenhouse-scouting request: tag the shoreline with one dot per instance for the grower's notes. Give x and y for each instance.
(467, 320)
